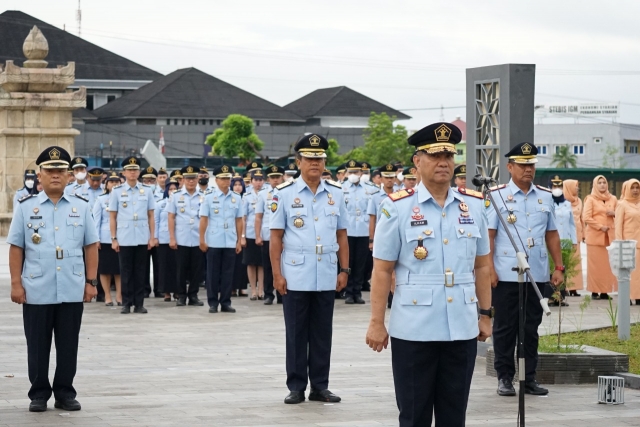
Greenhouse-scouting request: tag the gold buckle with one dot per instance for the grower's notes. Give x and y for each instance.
(319, 249)
(530, 242)
(448, 275)
(59, 253)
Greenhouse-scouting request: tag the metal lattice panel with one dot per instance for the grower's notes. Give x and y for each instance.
(487, 128)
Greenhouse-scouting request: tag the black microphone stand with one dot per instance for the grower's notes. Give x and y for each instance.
(522, 268)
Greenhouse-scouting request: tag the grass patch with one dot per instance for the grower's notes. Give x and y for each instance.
(604, 338)
(544, 347)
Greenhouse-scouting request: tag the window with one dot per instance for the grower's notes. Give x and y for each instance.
(189, 121)
(219, 122)
(257, 122)
(110, 98)
(631, 147)
(578, 150)
(542, 150)
(90, 102)
(196, 121)
(459, 152)
(557, 148)
(183, 122)
(211, 122)
(597, 140)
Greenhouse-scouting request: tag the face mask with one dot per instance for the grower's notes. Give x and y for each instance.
(400, 177)
(203, 181)
(81, 176)
(365, 178)
(557, 192)
(354, 179)
(28, 183)
(288, 178)
(153, 187)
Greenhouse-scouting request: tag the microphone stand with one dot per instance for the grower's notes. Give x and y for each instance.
(522, 268)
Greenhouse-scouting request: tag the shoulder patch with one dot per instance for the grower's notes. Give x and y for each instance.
(402, 194)
(499, 187)
(210, 190)
(285, 185)
(334, 183)
(472, 193)
(544, 188)
(80, 197)
(27, 197)
(117, 186)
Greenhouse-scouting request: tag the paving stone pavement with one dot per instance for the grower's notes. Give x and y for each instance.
(181, 366)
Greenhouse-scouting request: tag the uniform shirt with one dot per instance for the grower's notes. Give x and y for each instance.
(132, 205)
(158, 193)
(310, 222)
(263, 206)
(534, 214)
(424, 307)
(101, 217)
(356, 198)
(186, 208)
(53, 270)
(374, 203)
(564, 221)
(93, 194)
(249, 202)
(222, 211)
(19, 195)
(79, 189)
(161, 218)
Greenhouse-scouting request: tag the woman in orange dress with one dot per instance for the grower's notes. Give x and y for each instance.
(598, 216)
(628, 227)
(570, 191)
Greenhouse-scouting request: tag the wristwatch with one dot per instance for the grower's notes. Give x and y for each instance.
(489, 312)
(114, 238)
(560, 268)
(345, 270)
(93, 282)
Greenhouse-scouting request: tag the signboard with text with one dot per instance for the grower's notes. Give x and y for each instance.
(584, 110)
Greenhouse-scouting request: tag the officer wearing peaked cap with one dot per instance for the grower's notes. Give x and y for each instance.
(161, 181)
(29, 186)
(528, 210)
(290, 172)
(78, 167)
(410, 175)
(308, 235)
(49, 234)
(460, 176)
(435, 240)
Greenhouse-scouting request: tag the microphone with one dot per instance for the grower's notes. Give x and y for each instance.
(480, 180)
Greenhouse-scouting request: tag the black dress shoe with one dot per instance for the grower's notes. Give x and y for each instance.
(125, 309)
(227, 309)
(532, 387)
(505, 388)
(605, 296)
(349, 300)
(358, 300)
(324, 396)
(140, 310)
(595, 295)
(38, 405)
(100, 298)
(181, 302)
(109, 304)
(68, 405)
(294, 397)
(213, 309)
(195, 301)
(268, 301)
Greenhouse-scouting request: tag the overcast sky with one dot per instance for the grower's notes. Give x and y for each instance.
(406, 54)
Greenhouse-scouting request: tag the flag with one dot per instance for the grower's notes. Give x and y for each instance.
(161, 141)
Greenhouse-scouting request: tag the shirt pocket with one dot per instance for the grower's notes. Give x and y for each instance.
(32, 270)
(542, 212)
(414, 295)
(332, 215)
(75, 228)
(78, 269)
(414, 235)
(293, 259)
(470, 233)
(470, 295)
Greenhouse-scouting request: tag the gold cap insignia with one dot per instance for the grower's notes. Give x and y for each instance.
(314, 140)
(150, 169)
(389, 167)
(132, 161)
(54, 154)
(526, 149)
(291, 166)
(78, 160)
(189, 169)
(352, 163)
(225, 168)
(443, 133)
(274, 169)
(254, 165)
(463, 169)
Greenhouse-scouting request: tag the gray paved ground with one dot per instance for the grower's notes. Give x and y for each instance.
(183, 366)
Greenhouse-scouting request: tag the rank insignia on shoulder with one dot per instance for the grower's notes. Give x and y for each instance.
(386, 213)
(284, 185)
(81, 198)
(499, 187)
(543, 188)
(401, 194)
(27, 197)
(469, 192)
(334, 183)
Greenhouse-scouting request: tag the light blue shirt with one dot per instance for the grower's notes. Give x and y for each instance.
(186, 208)
(374, 203)
(93, 194)
(161, 218)
(79, 189)
(222, 211)
(19, 195)
(565, 222)
(101, 217)
(356, 197)
(132, 205)
(53, 271)
(534, 214)
(263, 206)
(435, 297)
(310, 222)
(249, 202)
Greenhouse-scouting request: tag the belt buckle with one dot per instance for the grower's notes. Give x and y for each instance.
(319, 249)
(226, 225)
(530, 242)
(59, 253)
(448, 279)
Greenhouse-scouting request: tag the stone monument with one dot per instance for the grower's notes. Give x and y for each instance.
(35, 112)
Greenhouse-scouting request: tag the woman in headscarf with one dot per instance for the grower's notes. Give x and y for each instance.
(628, 227)
(168, 275)
(598, 215)
(564, 220)
(240, 276)
(570, 192)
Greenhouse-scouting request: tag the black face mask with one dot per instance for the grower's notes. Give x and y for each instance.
(203, 181)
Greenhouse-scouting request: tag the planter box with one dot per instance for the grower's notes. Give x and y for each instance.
(572, 368)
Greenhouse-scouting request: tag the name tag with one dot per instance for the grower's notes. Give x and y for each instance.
(466, 221)
(416, 223)
(35, 217)
(74, 215)
(297, 205)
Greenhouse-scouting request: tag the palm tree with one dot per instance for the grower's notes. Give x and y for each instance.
(563, 158)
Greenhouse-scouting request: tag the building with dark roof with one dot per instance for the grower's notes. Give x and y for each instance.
(339, 107)
(106, 75)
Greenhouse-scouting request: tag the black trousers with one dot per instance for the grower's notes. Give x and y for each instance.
(308, 319)
(505, 328)
(153, 255)
(40, 323)
(358, 252)
(189, 269)
(168, 274)
(220, 265)
(134, 262)
(432, 378)
(268, 274)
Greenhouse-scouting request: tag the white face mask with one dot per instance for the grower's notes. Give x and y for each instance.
(365, 178)
(80, 176)
(557, 192)
(28, 183)
(400, 177)
(354, 179)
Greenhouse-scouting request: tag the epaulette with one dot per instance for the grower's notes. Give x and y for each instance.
(401, 194)
(27, 197)
(117, 186)
(80, 197)
(285, 185)
(544, 188)
(334, 183)
(146, 185)
(472, 193)
(209, 190)
(499, 187)
(233, 192)
(71, 183)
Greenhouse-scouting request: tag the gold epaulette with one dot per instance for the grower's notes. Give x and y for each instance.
(401, 194)
(334, 183)
(499, 187)
(544, 188)
(469, 192)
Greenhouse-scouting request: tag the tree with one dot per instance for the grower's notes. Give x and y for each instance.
(236, 138)
(563, 158)
(383, 142)
(333, 158)
(612, 158)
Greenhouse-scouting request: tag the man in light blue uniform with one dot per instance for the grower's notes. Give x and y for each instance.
(184, 223)
(132, 223)
(47, 236)
(78, 168)
(529, 213)
(436, 241)
(220, 228)
(29, 183)
(161, 181)
(94, 188)
(308, 235)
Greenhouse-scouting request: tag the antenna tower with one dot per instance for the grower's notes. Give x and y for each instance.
(79, 19)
